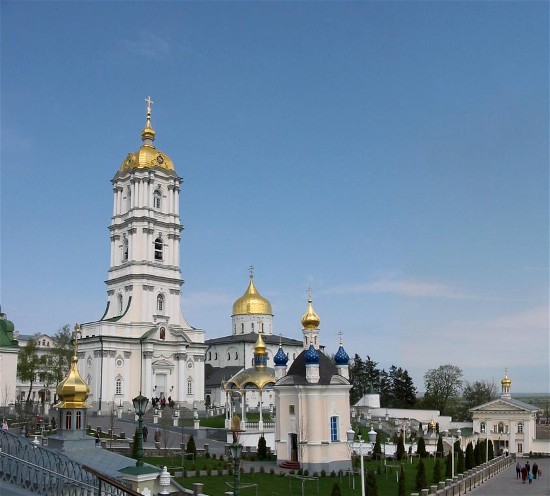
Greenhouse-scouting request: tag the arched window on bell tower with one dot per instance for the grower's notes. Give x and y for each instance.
(128, 198)
(124, 249)
(157, 199)
(160, 303)
(120, 302)
(158, 249)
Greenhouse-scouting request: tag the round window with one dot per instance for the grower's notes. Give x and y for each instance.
(119, 362)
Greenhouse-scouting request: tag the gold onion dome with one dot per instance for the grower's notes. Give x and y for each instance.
(147, 156)
(252, 302)
(506, 382)
(260, 347)
(431, 425)
(310, 320)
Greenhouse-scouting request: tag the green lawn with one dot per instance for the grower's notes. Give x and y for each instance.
(271, 485)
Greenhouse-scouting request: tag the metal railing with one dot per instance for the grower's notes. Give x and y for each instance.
(41, 471)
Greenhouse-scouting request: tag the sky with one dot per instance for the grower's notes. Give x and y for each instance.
(392, 156)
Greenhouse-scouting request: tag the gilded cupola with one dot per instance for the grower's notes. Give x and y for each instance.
(148, 155)
(506, 382)
(73, 391)
(252, 302)
(310, 320)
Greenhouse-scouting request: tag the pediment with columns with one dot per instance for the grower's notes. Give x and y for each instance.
(502, 405)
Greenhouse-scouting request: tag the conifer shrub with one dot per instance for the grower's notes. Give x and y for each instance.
(437, 476)
(421, 481)
(336, 490)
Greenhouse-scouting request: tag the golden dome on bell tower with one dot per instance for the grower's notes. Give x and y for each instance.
(148, 155)
(73, 391)
(252, 302)
(506, 382)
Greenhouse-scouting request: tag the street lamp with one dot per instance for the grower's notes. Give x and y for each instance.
(140, 405)
(350, 434)
(236, 450)
(452, 450)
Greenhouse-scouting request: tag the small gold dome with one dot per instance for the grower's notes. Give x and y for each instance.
(260, 347)
(252, 302)
(432, 425)
(506, 382)
(73, 391)
(310, 320)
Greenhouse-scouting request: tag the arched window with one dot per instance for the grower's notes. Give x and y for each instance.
(157, 199)
(158, 249)
(118, 385)
(120, 301)
(160, 303)
(78, 420)
(189, 386)
(482, 427)
(215, 356)
(228, 356)
(252, 326)
(69, 421)
(242, 328)
(501, 427)
(125, 249)
(236, 355)
(520, 427)
(209, 355)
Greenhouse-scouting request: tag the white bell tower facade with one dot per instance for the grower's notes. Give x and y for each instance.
(143, 343)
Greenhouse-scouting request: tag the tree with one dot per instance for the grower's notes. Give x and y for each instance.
(470, 461)
(61, 353)
(443, 385)
(401, 490)
(402, 389)
(477, 393)
(491, 450)
(421, 448)
(364, 374)
(29, 365)
(478, 450)
(449, 465)
(439, 450)
(377, 449)
(421, 482)
(437, 471)
(191, 447)
(400, 450)
(370, 483)
(336, 490)
(262, 448)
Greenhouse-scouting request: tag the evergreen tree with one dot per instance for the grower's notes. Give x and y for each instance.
(437, 471)
(470, 461)
(421, 482)
(370, 483)
(439, 450)
(460, 463)
(191, 448)
(401, 490)
(477, 452)
(262, 448)
(449, 466)
(400, 453)
(402, 389)
(491, 450)
(377, 450)
(421, 448)
(336, 490)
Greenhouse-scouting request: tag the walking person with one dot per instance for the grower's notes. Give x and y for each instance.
(530, 477)
(145, 432)
(535, 470)
(518, 470)
(523, 475)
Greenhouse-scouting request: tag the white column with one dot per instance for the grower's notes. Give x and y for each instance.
(261, 423)
(181, 378)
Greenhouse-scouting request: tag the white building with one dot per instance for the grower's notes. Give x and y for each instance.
(312, 404)
(511, 424)
(143, 343)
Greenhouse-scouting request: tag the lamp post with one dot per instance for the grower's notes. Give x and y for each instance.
(350, 434)
(236, 450)
(140, 405)
(447, 434)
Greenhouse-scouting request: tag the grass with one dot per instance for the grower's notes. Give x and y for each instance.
(271, 485)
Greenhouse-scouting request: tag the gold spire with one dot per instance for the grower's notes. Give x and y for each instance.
(252, 302)
(310, 320)
(73, 391)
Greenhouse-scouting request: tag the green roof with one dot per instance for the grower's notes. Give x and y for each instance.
(6, 332)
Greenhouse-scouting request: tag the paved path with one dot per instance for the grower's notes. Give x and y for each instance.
(506, 484)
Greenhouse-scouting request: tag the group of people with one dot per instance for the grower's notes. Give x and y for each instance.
(528, 473)
(162, 402)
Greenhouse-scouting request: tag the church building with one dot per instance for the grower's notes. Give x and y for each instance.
(252, 314)
(142, 342)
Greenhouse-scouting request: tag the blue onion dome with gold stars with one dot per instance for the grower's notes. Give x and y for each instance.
(312, 355)
(148, 155)
(280, 357)
(341, 357)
